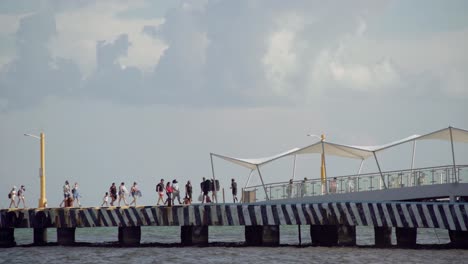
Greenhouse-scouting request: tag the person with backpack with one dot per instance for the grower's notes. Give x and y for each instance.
(160, 191)
(205, 187)
(134, 192)
(12, 196)
(113, 193)
(20, 195)
(122, 193)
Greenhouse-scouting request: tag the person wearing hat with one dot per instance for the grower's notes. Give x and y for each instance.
(175, 191)
(20, 195)
(12, 196)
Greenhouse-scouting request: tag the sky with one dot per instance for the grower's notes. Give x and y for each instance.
(143, 90)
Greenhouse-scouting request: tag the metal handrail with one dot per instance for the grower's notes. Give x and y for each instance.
(364, 182)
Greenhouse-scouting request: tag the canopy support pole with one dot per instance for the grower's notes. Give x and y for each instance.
(453, 155)
(263, 184)
(412, 159)
(380, 171)
(214, 178)
(294, 168)
(323, 175)
(360, 167)
(248, 179)
(414, 154)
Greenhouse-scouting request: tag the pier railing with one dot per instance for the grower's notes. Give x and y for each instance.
(358, 183)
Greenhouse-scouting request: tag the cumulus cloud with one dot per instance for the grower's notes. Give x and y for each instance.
(221, 53)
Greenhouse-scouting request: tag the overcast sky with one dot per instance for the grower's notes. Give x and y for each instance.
(143, 90)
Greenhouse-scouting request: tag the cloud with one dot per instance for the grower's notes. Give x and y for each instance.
(33, 73)
(224, 53)
(79, 28)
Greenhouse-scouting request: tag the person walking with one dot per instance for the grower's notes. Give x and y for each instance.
(105, 199)
(76, 194)
(134, 192)
(20, 195)
(304, 187)
(289, 188)
(234, 190)
(205, 188)
(160, 191)
(66, 194)
(214, 188)
(169, 194)
(175, 191)
(12, 196)
(188, 192)
(113, 193)
(122, 193)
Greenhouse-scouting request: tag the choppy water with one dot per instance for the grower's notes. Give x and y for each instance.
(168, 252)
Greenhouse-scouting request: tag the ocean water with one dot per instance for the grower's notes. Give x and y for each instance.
(160, 245)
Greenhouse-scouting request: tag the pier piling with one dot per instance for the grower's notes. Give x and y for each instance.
(40, 236)
(406, 237)
(324, 235)
(268, 235)
(130, 235)
(7, 237)
(194, 235)
(66, 236)
(383, 236)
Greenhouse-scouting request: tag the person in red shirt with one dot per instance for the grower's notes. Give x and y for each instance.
(169, 191)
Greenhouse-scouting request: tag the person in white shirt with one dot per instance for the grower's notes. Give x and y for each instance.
(175, 191)
(66, 194)
(122, 193)
(20, 195)
(12, 196)
(105, 199)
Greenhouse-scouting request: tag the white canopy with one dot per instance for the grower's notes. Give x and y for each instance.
(348, 151)
(253, 163)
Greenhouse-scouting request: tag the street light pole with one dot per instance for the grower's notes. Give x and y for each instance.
(42, 198)
(323, 170)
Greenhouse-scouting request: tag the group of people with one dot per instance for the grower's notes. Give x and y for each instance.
(173, 192)
(13, 194)
(121, 194)
(70, 195)
(116, 195)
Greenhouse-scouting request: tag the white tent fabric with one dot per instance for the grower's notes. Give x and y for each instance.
(348, 151)
(253, 163)
(357, 152)
(335, 150)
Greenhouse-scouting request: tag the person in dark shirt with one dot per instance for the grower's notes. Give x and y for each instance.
(188, 191)
(113, 193)
(234, 190)
(205, 186)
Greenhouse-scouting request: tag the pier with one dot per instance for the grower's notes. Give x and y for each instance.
(331, 223)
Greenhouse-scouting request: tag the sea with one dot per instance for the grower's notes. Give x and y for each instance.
(161, 245)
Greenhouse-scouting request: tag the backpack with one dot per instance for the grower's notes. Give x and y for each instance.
(159, 187)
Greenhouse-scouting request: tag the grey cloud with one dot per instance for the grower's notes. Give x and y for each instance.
(34, 74)
(214, 57)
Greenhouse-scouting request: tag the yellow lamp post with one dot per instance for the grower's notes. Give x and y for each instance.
(323, 168)
(42, 198)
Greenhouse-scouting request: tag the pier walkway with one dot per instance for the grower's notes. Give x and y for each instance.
(331, 223)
